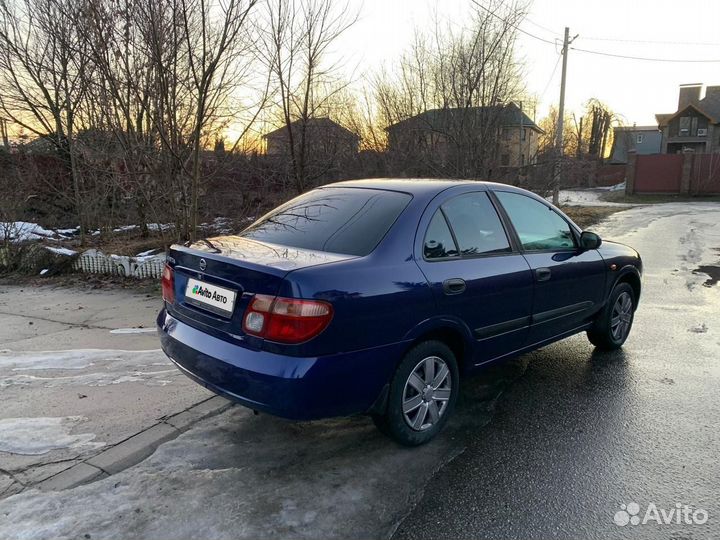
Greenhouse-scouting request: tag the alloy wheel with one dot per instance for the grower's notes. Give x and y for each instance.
(427, 393)
(621, 316)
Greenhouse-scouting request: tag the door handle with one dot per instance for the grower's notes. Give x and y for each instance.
(454, 286)
(543, 274)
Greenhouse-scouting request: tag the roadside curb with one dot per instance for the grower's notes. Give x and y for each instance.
(134, 449)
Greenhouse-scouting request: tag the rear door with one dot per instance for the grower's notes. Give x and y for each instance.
(569, 281)
(475, 274)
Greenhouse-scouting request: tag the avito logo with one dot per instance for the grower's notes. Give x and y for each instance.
(199, 290)
(630, 514)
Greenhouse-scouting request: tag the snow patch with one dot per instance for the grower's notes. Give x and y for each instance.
(37, 436)
(24, 231)
(240, 477)
(155, 251)
(20, 231)
(86, 367)
(133, 331)
(586, 197)
(74, 359)
(61, 251)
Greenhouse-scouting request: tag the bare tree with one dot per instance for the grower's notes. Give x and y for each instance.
(591, 133)
(451, 90)
(43, 65)
(297, 38)
(547, 139)
(167, 78)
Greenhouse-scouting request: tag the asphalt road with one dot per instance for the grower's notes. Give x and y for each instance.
(547, 445)
(582, 433)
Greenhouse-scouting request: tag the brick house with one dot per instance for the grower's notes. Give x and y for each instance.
(324, 138)
(696, 123)
(514, 134)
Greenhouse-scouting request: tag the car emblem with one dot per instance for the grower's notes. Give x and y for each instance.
(203, 264)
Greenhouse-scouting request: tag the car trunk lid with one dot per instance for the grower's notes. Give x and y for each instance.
(235, 268)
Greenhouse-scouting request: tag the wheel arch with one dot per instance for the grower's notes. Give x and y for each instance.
(450, 331)
(630, 276)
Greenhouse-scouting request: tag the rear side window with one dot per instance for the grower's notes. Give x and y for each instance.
(538, 226)
(350, 221)
(476, 225)
(439, 242)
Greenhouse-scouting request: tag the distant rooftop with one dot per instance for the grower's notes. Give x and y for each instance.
(510, 115)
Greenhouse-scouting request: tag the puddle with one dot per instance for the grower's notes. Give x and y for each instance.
(712, 271)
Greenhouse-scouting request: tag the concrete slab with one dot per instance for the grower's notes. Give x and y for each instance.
(15, 328)
(76, 475)
(90, 388)
(196, 413)
(80, 337)
(134, 449)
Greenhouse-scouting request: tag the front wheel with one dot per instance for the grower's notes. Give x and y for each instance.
(613, 325)
(422, 394)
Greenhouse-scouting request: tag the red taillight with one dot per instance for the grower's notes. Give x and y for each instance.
(168, 284)
(286, 320)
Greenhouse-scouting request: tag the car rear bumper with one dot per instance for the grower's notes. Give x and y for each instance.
(286, 386)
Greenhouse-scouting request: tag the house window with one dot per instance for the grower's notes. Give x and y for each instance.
(639, 138)
(522, 159)
(524, 134)
(684, 126)
(505, 160)
(508, 134)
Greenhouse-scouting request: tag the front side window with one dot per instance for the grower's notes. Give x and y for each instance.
(538, 226)
(476, 225)
(350, 221)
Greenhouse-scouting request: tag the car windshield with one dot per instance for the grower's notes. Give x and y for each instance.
(350, 221)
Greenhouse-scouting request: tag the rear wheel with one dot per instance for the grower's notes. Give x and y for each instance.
(613, 325)
(422, 394)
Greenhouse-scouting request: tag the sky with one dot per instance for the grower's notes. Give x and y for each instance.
(634, 89)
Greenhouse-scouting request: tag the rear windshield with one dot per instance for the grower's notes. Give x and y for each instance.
(351, 221)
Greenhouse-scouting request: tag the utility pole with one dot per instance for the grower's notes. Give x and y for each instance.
(561, 114)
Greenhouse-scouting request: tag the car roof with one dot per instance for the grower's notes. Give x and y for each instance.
(418, 186)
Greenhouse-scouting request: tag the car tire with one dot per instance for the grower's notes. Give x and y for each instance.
(422, 394)
(614, 323)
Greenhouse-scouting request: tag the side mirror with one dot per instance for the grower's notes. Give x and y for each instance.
(590, 240)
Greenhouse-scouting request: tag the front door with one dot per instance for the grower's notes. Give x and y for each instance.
(569, 281)
(475, 275)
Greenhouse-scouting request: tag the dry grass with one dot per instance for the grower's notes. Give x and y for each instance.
(587, 216)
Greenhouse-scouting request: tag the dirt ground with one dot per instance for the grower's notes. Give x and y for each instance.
(148, 287)
(587, 216)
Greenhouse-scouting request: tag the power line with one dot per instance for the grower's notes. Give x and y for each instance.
(552, 76)
(653, 42)
(603, 53)
(516, 27)
(648, 59)
(540, 26)
(527, 19)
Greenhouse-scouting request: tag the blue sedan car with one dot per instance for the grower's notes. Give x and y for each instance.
(377, 296)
